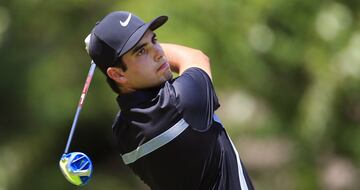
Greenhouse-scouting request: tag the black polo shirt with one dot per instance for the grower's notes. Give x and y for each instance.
(171, 138)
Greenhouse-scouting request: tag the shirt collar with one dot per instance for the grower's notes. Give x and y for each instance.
(129, 100)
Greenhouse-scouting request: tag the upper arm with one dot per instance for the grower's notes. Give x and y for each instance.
(197, 98)
(200, 60)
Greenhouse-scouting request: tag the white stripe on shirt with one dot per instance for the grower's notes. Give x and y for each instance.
(156, 142)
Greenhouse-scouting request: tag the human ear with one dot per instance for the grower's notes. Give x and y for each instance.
(116, 74)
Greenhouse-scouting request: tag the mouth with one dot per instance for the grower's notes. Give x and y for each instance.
(163, 66)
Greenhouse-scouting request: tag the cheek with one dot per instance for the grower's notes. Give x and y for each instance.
(143, 73)
(144, 70)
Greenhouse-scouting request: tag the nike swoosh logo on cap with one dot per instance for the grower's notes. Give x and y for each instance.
(126, 22)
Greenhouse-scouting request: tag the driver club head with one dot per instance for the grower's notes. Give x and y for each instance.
(76, 167)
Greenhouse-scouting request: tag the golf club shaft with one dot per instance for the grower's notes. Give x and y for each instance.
(78, 110)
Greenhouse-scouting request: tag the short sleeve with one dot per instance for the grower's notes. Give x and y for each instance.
(197, 98)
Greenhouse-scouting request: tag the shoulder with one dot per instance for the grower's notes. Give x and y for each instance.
(196, 73)
(193, 77)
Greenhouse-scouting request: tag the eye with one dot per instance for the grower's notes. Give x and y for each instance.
(140, 52)
(154, 40)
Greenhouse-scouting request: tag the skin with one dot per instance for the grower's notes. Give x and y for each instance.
(150, 64)
(182, 58)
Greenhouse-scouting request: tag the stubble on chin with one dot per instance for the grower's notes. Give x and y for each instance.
(166, 77)
(169, 75)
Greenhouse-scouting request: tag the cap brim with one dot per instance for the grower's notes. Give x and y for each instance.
(139, 33)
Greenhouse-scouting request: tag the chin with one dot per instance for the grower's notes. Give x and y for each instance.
(169, 74)
(166, 77)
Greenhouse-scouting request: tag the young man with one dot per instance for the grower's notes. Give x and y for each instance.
(167, 131)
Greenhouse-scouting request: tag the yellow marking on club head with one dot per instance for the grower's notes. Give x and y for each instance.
(71, 178)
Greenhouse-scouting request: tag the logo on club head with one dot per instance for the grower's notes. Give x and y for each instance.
(126, 22)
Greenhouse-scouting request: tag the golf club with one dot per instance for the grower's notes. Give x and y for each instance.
(77, 166)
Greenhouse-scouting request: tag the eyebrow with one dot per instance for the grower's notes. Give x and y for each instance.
(139, 46)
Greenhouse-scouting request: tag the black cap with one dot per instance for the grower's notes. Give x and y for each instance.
(116, 34)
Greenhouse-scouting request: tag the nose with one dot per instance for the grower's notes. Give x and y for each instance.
(158, 53)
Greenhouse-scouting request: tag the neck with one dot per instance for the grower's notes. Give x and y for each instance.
(126, 90)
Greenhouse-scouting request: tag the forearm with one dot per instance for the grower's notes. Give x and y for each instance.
(182, 58)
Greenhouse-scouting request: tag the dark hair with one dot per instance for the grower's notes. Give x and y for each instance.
(114, 86)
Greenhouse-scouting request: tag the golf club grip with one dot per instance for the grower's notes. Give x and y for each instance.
(82, 98)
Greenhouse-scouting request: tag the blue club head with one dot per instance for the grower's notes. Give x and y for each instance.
(76, 167)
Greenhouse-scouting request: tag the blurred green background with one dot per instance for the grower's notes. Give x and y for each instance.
(287, 73)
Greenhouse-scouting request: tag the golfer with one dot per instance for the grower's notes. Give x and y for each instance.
(167, 131)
